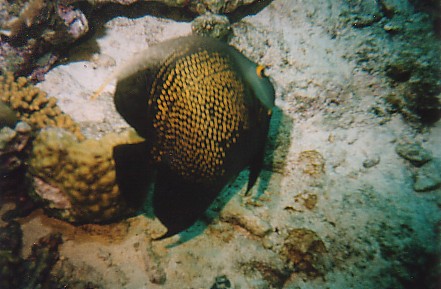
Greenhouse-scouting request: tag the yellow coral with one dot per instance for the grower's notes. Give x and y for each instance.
(33, 106)
(83, 171)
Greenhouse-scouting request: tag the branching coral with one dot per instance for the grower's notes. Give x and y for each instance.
(77, 180)
(33, 106)
(31, 13)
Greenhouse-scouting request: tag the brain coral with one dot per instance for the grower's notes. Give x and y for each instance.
(33, 106)
(76, 180)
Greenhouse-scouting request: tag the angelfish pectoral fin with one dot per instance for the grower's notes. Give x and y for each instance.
(255, 169)
(178, 204)
(133, 172)
(256, 163)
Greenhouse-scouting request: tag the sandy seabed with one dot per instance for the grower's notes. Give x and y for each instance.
(333, 182)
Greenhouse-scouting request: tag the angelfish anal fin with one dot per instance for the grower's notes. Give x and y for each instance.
(177, 203)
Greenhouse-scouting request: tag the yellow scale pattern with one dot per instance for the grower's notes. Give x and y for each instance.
(199, 111)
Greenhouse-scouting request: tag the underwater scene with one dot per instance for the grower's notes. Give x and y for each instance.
(233, 144)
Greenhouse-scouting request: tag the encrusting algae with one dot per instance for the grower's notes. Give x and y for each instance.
(77, 179)
(33, 106)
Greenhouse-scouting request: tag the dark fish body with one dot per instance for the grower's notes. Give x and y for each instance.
(204, 111)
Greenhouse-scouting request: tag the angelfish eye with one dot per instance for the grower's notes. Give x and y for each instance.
(260, 71)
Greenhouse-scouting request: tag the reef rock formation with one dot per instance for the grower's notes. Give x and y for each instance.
(31, 31)
(305, 252)
(402, 44)
(14, 184)
(198, 6)
(34, 33)
(10, 246)
(32, 272)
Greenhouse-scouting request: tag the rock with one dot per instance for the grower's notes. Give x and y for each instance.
(371, 162)
(305, 252)
(428, 176)
(235, 214)
(399, 70)
(14, 148)
(34, 29)
(392, 28)
(414, 153)
(38, 265)
(10, 261)
(35, 270)
(221, 282)
(390, 8)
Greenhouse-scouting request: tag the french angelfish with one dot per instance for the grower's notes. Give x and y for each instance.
(204, 111)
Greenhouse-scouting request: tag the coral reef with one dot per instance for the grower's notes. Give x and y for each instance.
(33, 106)
(334, 218)
(14, 183)
(10, 246)
(38, 265)
(32, 272)
(33, 33)
(223, 6)
(199, 6)
(76, 181)
(31, 30)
